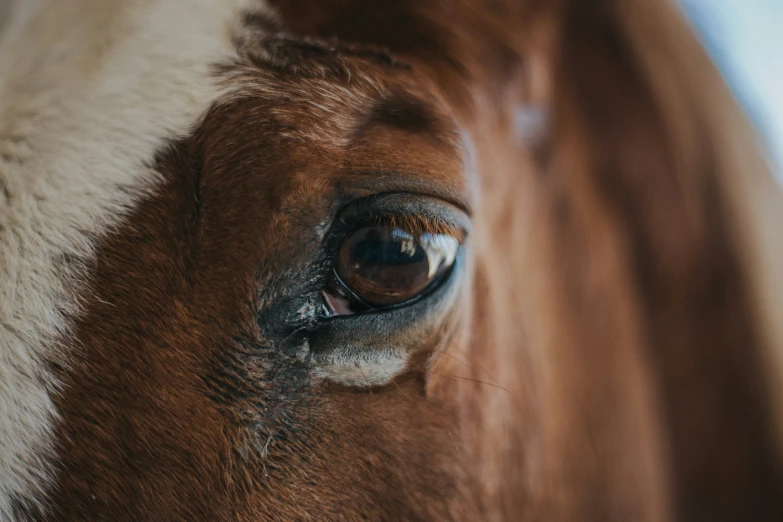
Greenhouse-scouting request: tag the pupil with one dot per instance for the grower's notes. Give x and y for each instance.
(388, 261)
(375, 250)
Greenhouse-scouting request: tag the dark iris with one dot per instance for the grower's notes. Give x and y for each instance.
(383, 266)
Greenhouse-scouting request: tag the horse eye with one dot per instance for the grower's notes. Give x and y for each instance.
(381, 266)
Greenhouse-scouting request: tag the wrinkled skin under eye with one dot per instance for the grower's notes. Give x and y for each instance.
(383, 266)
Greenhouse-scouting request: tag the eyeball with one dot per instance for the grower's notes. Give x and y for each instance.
(382, 266)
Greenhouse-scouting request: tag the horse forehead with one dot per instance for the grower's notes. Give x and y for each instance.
(89, 91)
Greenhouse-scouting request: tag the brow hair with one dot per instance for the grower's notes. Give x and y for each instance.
(406, 113)
(267, 44)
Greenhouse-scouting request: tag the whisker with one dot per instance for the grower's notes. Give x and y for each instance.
(469, 365)
(359, 367)
(453, 440)
(392, 379)
(456, 440)
(474, 380)
(440, 350)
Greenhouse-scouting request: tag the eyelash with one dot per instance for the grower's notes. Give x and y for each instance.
(417, 224)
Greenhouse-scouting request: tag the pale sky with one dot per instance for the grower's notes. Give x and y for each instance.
(746, 40)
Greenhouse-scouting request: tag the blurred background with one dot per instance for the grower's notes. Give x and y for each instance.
(745, 38)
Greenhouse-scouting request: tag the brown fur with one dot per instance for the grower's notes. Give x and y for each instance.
(210, 420)
(603, 364)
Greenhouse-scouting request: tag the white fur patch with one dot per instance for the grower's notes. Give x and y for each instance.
(361, 367)
(89, 91)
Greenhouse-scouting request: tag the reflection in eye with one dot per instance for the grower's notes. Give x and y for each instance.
(381, 266)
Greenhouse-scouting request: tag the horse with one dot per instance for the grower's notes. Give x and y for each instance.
(382, 260)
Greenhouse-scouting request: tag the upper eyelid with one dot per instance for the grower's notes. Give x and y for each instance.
(424, 212)
(370, 183)
(442, 200)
